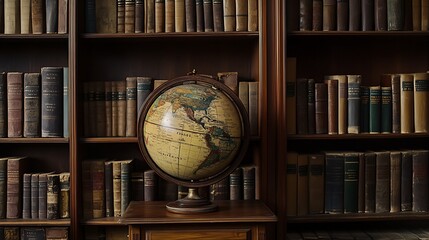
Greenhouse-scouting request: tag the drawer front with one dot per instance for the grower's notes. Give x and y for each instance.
(208, 234)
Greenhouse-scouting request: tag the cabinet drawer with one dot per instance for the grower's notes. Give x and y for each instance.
(208, 234)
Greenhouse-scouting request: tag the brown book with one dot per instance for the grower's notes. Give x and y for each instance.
(343, 15)
(26, 196)
(150, 185)
(52, 196)
(11, 17)
(218, 15)
(15, 171)
(63, 16)
(382, 182)
(317, 15)
(105, 16)
(122, 108)
(11, 233)
(131, 110)
(292, 183)
(115, 116)
(190, 15)
(130, 15)
(332, 106)
(179, 16)
(303, 190)
(229, 15)
(159, 15)
(396, 102)
(31, 105)
(425, 15)
(253, 108)
(329, 15)
(14, 104)
(149, 16)
(417, 15)
(64, 195)
(420, 180)
(37, 16)
(116, 177)
(421, 104)
(219, 190)
(367, 15)
(361, 183)
(25, 13)
(169, 15)
(43, 191)
(395, 181)
(199, 15)
(316, 183)
(236, 184)
(97, 188)
(321, 102)
(302, 105)
(100, 109)
(252, 14)
(395, 15)
(208, 15)
(370, 179)
(230, 79)
(342, 102)
(249, 182)
(108, 108)
(139, 17)
(380, 13)
(355, 9)
(57, 233)
(3, 104)
(407, 103)
(291, 95)
(406, 180)
(120, 4)
(305, 15)
(311, 107)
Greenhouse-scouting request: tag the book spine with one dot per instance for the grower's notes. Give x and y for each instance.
(199, 15)
(395, 181)
(417, 15)
(116, 170)
(395, 15)
(406, 180)
(31, 105)
(420, 181)
(396, 104)
(316, 182)
(114, 109)
(425, 15)
(25, 14)
(131, 101)
(3, 187)
(51, 16)
(243, 94)
(386, 110)
(159, 16)
(235, 184)
(351, 177)
(2, 17)
(382, 182)
(179, 16)
(353, 102)
(52, 195)
(302, 196)
(122, 108)
(150, 16)
(144, 88)
(52, 102)
(361, 183)
(108, 108)
(332, 106)
(125, 185)
(43, 190)
(3, 105)
(57, 233)
(302, 106)
(108, 184)
(374, 109)
(291, 95)
(137, 186)
(14, 104)
(329, 15)
(38, 19)
(86, 190)
(317, 15)
(150, 185)
(97, 179)
(229, 15)
(342, 103)
(14, 188)
(220, 190)
(139, 16)
(367, 15)
(230, 79)
(190, 12)
(218, 15)
(311, 107)
(208, 15)
(249, 178)
(11, 233)
(120, 4)
(35, 196)
(321, 103)
(64, 197)
(421, 102)
(253, 108)
(380, 13)
(292, 183)
(37, 233)
(370, 164)
(63, 20)
(343, 15)
(169, 15)
(305, 15)
(11, 17)
(65, 102)
(407, 103)
(26, 196)
(252, 14)
(355, 9)
(130, 15)
(334, 183)
(364, 109)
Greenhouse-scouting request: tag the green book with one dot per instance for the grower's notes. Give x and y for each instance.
(374, 109)
(351, 177)
(364, 109)
(386, 109)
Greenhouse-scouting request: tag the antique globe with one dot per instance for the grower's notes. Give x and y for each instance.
(193, 131)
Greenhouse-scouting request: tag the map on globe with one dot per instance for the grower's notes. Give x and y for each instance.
(192, 131)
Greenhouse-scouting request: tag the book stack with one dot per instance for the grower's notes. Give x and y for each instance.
(357, 182)
(48, 233)
(150, 16)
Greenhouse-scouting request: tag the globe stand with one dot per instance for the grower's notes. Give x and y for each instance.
(192, 203)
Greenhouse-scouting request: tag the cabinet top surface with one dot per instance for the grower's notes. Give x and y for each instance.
(140, 212)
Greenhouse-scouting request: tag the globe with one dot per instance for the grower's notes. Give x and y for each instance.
(193, 131)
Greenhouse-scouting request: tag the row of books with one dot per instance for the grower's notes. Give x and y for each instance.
(357, 182)
(34, 233)
(34, 104)
(34, 17)
(150, 16)
(365, 15)
(341, 104)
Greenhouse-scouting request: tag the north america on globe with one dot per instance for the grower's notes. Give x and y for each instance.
(192, 131)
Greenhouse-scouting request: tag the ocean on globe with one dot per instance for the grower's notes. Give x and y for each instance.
(192, 131)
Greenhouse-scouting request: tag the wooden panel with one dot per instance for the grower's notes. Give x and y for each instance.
(207, 234)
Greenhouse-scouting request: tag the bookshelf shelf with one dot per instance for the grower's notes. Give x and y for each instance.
(360, 217)
(358, 33)
(356, 136)
(108, 221)
(62, 37)
(29, 222)
(109, 140)
(34, 140)
(173, 35)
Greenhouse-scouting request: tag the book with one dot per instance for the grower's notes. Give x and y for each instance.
(303, 188)
(63, 16)
(407, 103)
(108, 186)
(396, 103)
(130, 15)
(199, 15)
(15, 104)
(31, 105)
(219, 190)
(57, 233)
(252, 15)
(329, 15)
(12, 23)
(367, 15)
(34, 207)
(190, 15)
(406, 180)
(420, 180)
(291, 95)
(229, 15)
(116, 178)
(65, 101)
(417, 15)
(120, 13)
(169, 15)
(230, 79)
(137, 187)
(121, 108)
(236, 184)
(90, 18)
(107, 113)
(43, 195)
(351, 178)
(38, 16)
(52, 196)
(179, 16)
(144, 88)
(3, 187)
(355, 14)
(395, 181)
(159, 15)
(15, 171)
(386, 109)
(292, 183)
(253, 108)
(26, 196)
(51, 8)
(105, 16)
(421, 106)
(208, 15)
(115, 117)
(311, 107)
(425, 15)
(243, 94)
(3, 104)
(149, 16)
(150, 185)
(382, 181)
(131, 103)
(64, 195)
(11, 233)
(305, 15)
(364, 109)
(334, 182)
(52, 102)
(370, 178)
(395, 15)
(316, 183)
(353, 102)
(218, 15)
(342, 102)
(380, 15)
(374, 109)
(25, 14)
(361, 183)
(125, 183)
(32, 233)
(332, 106)
(317, 15)
(249, 182)
(321, 109)
(302, 106)
(139, 17)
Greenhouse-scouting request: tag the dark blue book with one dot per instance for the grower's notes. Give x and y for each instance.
(334, 182)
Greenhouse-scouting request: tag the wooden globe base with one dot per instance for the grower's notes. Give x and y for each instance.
(192, 203)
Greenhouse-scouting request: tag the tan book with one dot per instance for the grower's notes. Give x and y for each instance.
(63, 14)
(241, 17)
(407, 103)
(116, 188)
(25, 14)
(302, 192)
(131, 107)
(421, 102)
(64, 198)
(120, 10)
(243, 94)
(425, 15)
(179, 15)
(291, 95)
(139, 17)
(159, 15)
(169, 15)
(253, 108)
(292, 183)
(149, 16)
(12, 23)
(229, 15)
(252, 12)
(230, 79)
(130, 15)
(122, 108)
(342, 102)
(37, 16)
(105, 15)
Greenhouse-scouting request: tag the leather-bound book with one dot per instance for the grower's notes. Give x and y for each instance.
(63, 16)
(417, 15)
(131, 107)
(321, 103)
(302, 196)
(86, 192)
(108, 108)
(137, 186)
(311, 107)
(190, 15)
(37, 16)
(406, 181)
(367, 15)
(421, 102)
(229, 15)
(90, 18)
(150, 185)
(105, 13)
(342, 102)
(236, 184)
(243, 94)
(291, 95)
(37, 233)
(395, 181)
(26, 196)
(332, 106)
(108, 185)
(169, 15)
(139, 17)
(395, 15)
(329, 15)
(120, 16)
(12, 23)
(361, 183)
(355, 14)
(334, 182)
(249, 182)
(159, 16)
(199, 15)
(208, 15)
(302, 106)
(97, 189)
(351, 182)
(353, 102)
(15, 171)
(218, 15)
(144, 88)
(43, 191)
(364, 109)
(3, 105)
(11, 233)
(380, 13)
(382, 182)
(252, 14)
(374, 109)
(115, 116)
(396, 103)
(292, 183)
(386, 109)
(130, 15)
(52, 197)
(317, 15)
(149, 16)
(343, 14)
(34, 205)
(14, 104)
(219, 190)
(31, 105)
(179, 16)
(51, 16)
(52, 102)
(122, 108)
(241, 8)
(425, 15)
(126, 166)
(420, 180)
(66, 127)
(100, 109)
(316, 183)
(25, 14)
(64, 195)
(57, 233)
(305, 15)
(370, 161)
(407, 103)
(116, 178)
(230, 79)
